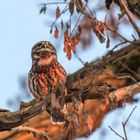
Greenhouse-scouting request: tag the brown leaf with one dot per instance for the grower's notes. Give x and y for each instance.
(73, 48)
(79, 30)
(56, 32)
(57, 12)
(79, 5)
(51, 30)
(71, 7)
(108, 42)
(108, 3)
(98, 29)
(66, 38)
(69, 54)
(67, 26)
(62, 24)
(76, 41)
(43, 9)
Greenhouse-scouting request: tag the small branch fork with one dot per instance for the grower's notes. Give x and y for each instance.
(124, 126)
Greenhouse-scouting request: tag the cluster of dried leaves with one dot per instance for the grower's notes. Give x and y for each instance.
(73, 36)
(76, 34)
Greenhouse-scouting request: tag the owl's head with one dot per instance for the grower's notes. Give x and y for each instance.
(42, 50)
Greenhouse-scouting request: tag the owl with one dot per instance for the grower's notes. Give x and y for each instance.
(47, 77)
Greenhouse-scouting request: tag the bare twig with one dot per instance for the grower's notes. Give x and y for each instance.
(124, 126)
(124, 130)
(75, 25)
(51, 3)
(129, 115)
(125, 123)
(25, 129)
(116, 133)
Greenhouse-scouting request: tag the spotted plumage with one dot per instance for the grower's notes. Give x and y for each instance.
(46, 76)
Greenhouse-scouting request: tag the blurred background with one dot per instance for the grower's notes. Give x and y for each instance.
(21, 26)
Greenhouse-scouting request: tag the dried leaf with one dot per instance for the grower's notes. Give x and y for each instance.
(43, 9)
(57, 12)
(56, 32)
(67, 26)
(108, 42)
(71, 7)
(73, 48)
(98, 29)
(79, 6)
(108, 3)
(51, 30)
(67, 49)
(76, 41)
(66, 38)
(69, 54)
(62, 24)
(79, 30)
(70, 44)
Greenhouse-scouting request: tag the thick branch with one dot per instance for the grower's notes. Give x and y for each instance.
(111, 57)
(126, 92)
(9, 120)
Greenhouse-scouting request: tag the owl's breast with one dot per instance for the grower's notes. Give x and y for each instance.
(43, 84)
(57, 74)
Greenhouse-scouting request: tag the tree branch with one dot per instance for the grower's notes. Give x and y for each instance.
(111, 57)
(25, 129)
(124, 126)
(125, 92)
(9, 120)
